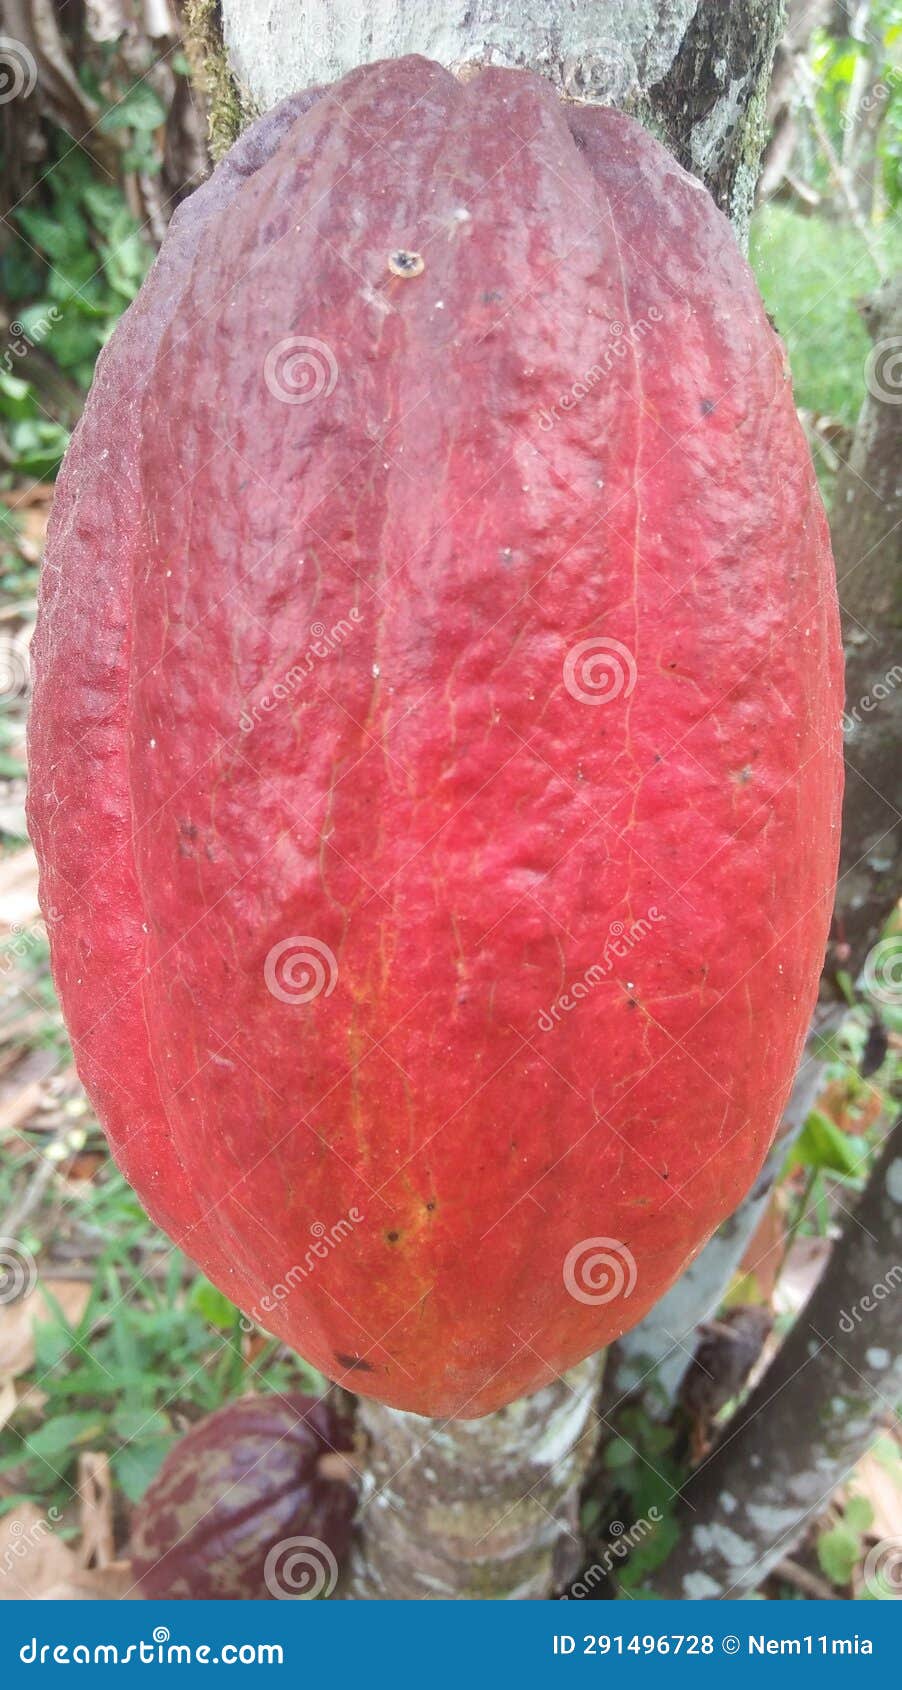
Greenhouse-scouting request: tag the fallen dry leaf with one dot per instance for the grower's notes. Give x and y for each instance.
(96, 1492)
(95, 1584)
(9, 1402)
(20, 1106)
(17, 1322)
(32, 1557)
(853, 1107)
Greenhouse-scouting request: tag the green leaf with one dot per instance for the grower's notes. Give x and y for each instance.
(138, 1463)
(589, 1513)
(858, 1514)
(74, 339)
(58, 238)
(885, 1450)
(137, 1424)
(126, 262)
(103, 203)
(17, 399)
(617, 1454)
(140, 108)
(212, 1305)
(838, 1551)
(649, 1553)
(821, 1144)
(59, 1437)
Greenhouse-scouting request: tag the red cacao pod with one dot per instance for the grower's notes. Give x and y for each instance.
(243, 1508)
(436, 759)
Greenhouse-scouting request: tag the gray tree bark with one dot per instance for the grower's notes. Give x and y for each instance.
(697, 75)
(695, 71)
(866, 525)
(834, 1379)
(464, 1509)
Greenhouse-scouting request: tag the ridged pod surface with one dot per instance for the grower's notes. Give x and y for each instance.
(435, 751)
(244, 1507)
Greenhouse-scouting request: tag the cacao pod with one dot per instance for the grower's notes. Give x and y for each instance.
(243, 1508)
(436, 752)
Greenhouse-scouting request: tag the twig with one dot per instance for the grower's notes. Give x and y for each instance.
(841, 176)
(808, 1583)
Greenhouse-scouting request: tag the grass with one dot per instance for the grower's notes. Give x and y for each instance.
(811, 272)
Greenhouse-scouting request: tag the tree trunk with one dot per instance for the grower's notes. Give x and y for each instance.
(462, 1510)
(54, 54)
(696, 74)
(867, 539)
(835, 1378)
(476, 1508)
